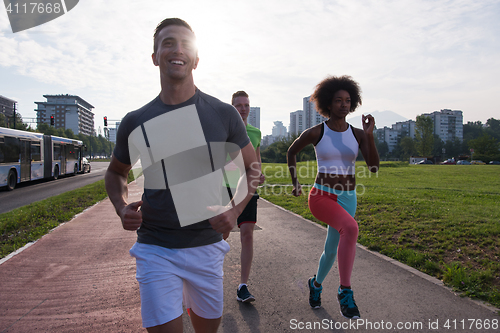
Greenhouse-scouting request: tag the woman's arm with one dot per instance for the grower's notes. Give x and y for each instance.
(309, 136)
(367, 143)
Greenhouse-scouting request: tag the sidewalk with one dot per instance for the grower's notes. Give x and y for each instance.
(80, 278)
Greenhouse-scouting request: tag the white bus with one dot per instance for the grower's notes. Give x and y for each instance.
(26, 156)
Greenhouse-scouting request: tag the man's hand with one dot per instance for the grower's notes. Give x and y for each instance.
(262, 179)
(131, 216)
(223, 222)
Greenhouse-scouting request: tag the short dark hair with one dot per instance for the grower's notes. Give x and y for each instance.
(239, 93)
(323, 95)
(166, 23)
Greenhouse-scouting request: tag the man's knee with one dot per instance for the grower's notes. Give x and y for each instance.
(246, 233)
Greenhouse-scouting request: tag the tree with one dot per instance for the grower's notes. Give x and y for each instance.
(472, 130)
(383, 149)
(493, 128)
(437, 148)
(424, 136)
(46, 129)
(453, 148)
(276, 152)
(486, 148)
(407, 148)
(9, 122)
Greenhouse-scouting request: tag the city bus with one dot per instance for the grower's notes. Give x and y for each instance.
(27, 156)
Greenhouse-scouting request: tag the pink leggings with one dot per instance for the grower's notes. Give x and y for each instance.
(324, 207)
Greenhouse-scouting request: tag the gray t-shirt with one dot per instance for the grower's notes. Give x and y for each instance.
(177, 145)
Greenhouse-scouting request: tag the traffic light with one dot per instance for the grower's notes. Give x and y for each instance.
(105, 121)
(51, 120)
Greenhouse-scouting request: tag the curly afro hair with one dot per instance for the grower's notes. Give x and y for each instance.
(323, 95)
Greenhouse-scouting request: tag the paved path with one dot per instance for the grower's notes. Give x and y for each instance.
(80, 278)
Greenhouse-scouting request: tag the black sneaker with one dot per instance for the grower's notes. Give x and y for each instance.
(244, 296)
(348, 307)
(314, 294)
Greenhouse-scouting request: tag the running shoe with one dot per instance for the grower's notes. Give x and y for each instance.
(314, 294)
(244, 296)
(348, 306)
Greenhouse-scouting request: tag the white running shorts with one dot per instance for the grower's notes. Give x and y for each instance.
(167, 277)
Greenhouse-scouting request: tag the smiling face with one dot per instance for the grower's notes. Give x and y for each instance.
(242, 104)
(176, 53)
(341, 104)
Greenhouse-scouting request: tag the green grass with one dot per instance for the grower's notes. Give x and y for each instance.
(28, 223)
(441, 219)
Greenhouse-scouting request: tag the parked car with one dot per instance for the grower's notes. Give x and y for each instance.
(495, 162)
(85, 165)
(425, 162)
(477, 162)
(463, 162)
(450, 161)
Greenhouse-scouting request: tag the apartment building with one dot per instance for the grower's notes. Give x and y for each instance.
(254, 116)
(448, 124)
(69, 112)
(297, 122)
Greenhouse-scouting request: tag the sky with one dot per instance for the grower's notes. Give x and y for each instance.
(409, 57)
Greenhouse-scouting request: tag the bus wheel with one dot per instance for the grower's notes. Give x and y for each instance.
(56, 172)
(11, 180)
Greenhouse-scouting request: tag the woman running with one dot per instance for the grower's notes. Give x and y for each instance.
(332, 199)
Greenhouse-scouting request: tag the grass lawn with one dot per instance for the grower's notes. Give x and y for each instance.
(28, 223)
(441, 219)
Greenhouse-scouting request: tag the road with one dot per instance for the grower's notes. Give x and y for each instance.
(26, 193)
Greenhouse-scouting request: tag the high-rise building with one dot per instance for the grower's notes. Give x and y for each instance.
(297, 122)
(312, 116)
(69, 111)
(254, 116)
(388, 135)
(266, 141)
(7, 106)
(279, 130)
(113, 131)
(392, 134)
(448, 124)
(405, 127)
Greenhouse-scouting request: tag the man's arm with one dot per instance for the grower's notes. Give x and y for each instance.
(116, 186)
(226, 221)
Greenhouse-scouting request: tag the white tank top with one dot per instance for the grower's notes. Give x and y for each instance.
(336, 152)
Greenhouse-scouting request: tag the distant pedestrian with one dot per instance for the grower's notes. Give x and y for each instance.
(332, 199)
(179, 260)
(247, 219)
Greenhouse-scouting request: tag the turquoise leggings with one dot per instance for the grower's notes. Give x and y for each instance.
(337, 209)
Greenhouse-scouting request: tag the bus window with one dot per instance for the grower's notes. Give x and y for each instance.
(57, 152)
(11, 150)
(2, 148)
(36, 155)
(71, 153)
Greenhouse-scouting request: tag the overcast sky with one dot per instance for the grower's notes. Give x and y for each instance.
(409, 56)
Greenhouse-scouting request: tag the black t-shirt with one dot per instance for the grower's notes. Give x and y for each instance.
(178, 147)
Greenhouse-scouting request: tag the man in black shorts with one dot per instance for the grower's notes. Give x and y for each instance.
(247, 219)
